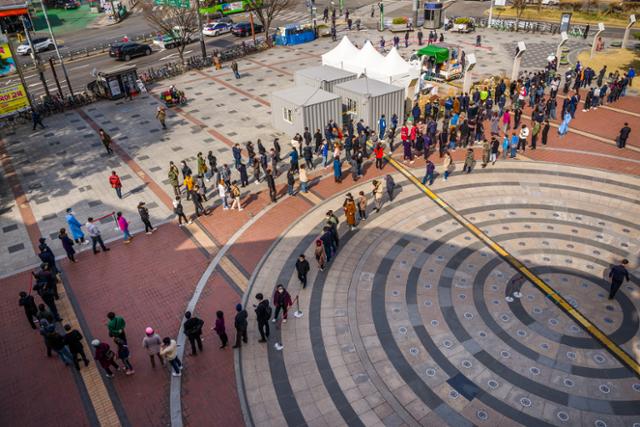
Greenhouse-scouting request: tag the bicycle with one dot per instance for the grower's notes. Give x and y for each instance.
(576, 32)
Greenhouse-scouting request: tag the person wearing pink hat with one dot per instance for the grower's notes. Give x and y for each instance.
(152, 343)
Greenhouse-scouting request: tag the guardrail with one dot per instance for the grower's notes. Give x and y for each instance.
(71, 54)
(509, 24)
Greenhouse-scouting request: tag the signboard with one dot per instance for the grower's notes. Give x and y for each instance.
(500, 2)
(7, 64)
(471, 62)
(114, 86)
(565, 21)
(13, 98)
(227, 8)
(184, 4)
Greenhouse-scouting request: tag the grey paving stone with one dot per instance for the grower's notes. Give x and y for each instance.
(15, 248)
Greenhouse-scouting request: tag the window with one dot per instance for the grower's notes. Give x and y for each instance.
(352, 106)
(287, 115)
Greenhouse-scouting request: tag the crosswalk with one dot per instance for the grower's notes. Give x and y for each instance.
(294, 17)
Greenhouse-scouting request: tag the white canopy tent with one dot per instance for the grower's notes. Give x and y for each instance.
(336, 56)
(366, 61)
(392, 69)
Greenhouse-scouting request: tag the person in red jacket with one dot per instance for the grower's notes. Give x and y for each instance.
(114, 180)
(105, 356)
(282, 301)
(379, 152)
(404, 132)
(413, 134)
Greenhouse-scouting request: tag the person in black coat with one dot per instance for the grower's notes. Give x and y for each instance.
(240, 323)
(307, 153)
(46, 255)
(618, 274)
(30, 309)
(73, 339)
(47, 287)
(302, 267)
(263, 314)
(244, 177)
(624, 135)
(67, 244)
(193, 330)
(545, 132)
(327, 241)
(144, 217)
(271, 183)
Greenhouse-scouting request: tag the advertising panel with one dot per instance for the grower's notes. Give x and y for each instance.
(13, 98)
(7, 64)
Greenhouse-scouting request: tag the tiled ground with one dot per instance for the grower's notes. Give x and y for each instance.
(332, 376)
(416, 322)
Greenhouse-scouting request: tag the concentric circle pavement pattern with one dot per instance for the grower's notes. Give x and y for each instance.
(416, 322)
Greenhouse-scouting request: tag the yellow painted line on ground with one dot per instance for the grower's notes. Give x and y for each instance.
(98, 394)
(558, 299)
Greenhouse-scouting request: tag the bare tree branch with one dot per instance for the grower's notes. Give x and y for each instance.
(179, 23)
(267, 11)
(519, 6)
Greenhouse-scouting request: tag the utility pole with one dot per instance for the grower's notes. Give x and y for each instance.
(202, 45)
(34, 57)
(55, 44)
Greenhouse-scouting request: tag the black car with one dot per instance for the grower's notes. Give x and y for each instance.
(243, 29)
(126, 51)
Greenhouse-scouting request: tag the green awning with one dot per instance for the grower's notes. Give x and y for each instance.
(441, 54)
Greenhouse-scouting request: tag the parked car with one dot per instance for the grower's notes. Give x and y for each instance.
(126, 51)
(169, 41)
(65, 4)
(71, 4)
(216, 28)
(219, 17)
(40, 44)
(243, 29)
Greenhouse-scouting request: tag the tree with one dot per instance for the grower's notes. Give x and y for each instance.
(519, 6)
(266, 11)
(180, 23)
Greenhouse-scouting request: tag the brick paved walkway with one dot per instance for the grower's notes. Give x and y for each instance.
(348, 360)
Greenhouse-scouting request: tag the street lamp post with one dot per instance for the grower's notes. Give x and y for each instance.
(595, 38)
(381, 6)
(517, 60)
(55, 44)
(625, 38)
(563, 40)
(470, 64)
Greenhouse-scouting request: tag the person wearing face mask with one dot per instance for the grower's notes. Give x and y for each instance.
(75, 227)
(282, 301)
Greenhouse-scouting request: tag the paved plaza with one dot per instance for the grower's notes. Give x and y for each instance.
(417, 321)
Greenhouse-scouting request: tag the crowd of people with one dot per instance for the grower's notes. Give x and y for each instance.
(489, 119)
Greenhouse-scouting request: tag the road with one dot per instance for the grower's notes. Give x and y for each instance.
(80, 69)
